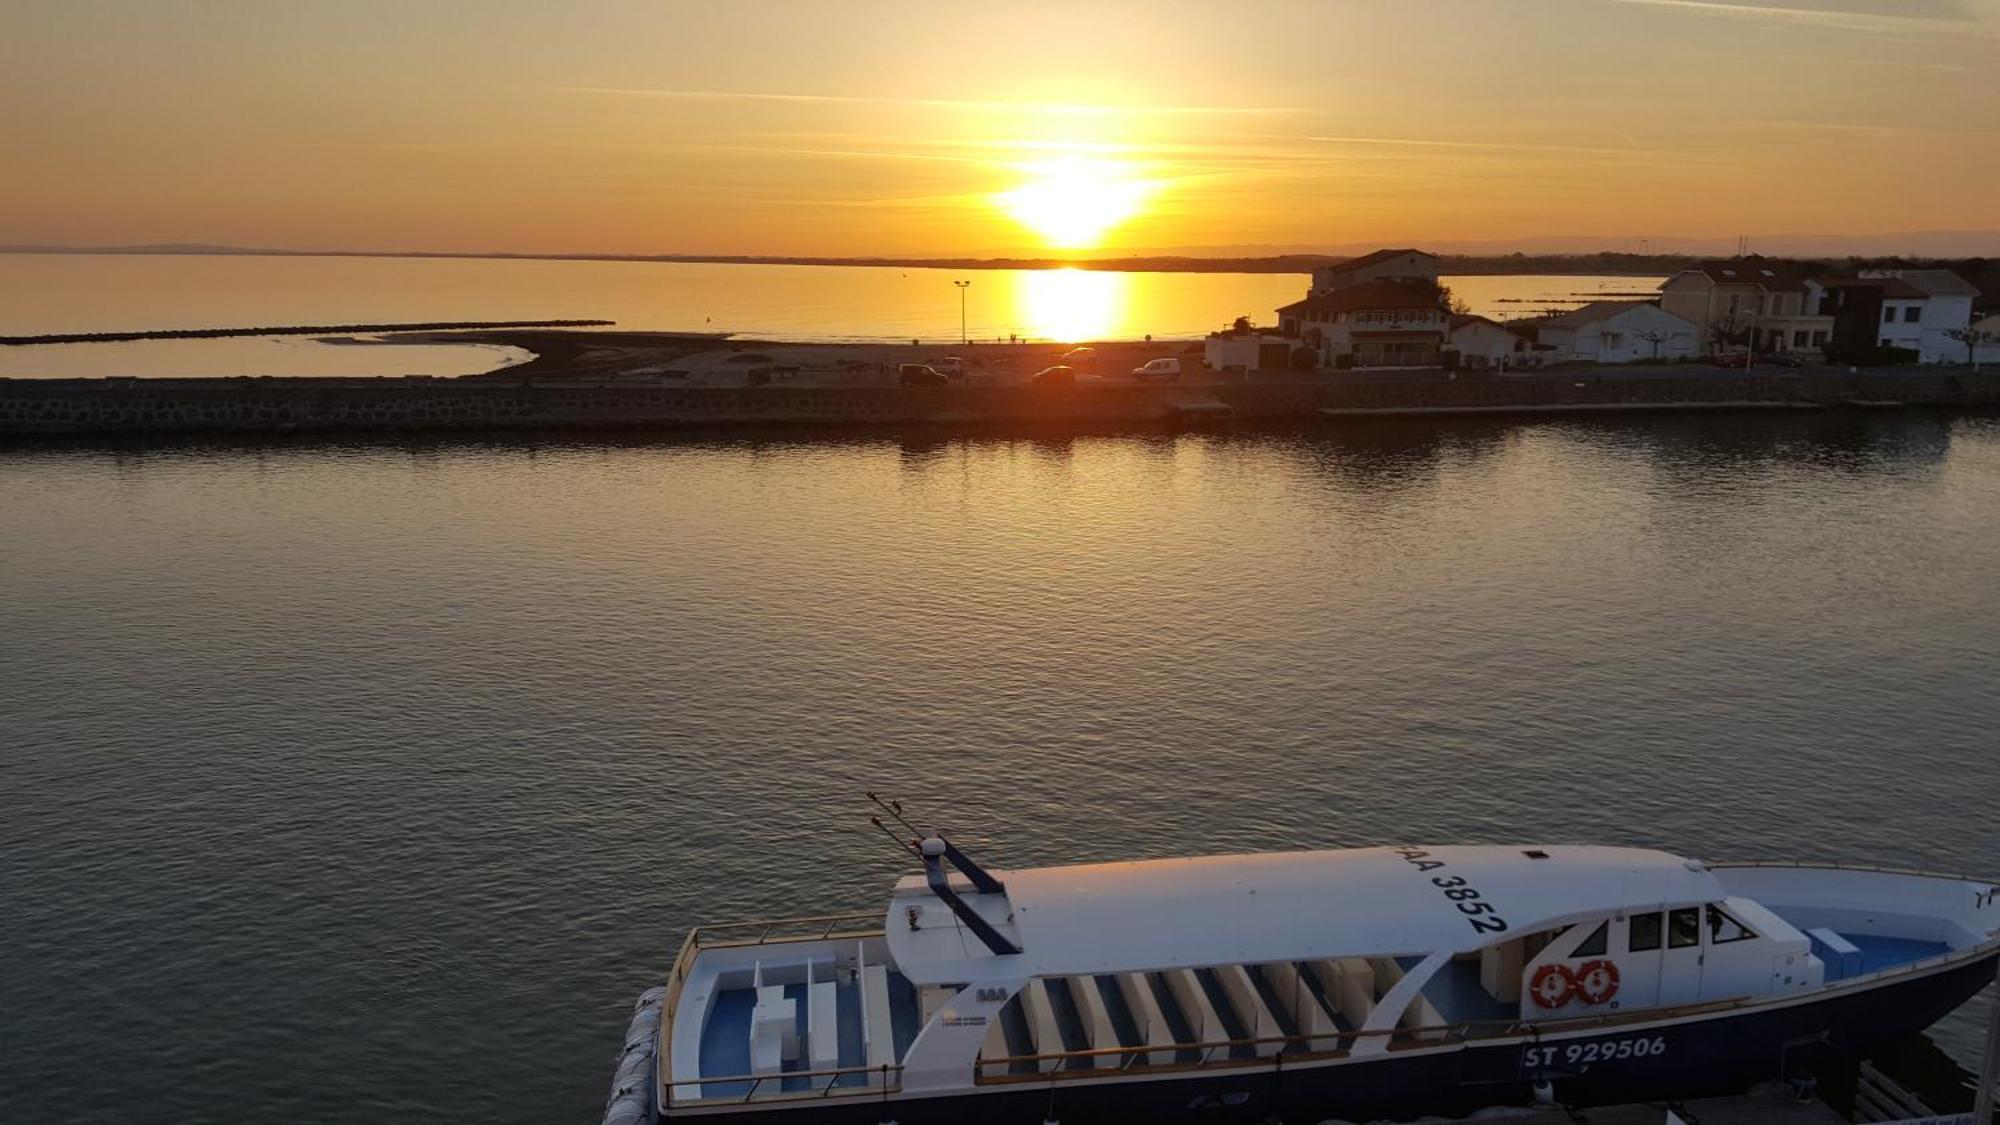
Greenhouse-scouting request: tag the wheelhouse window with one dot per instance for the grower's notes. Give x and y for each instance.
(1723, 929)
(1596, 944)
(1684, 927)
(1643, 933)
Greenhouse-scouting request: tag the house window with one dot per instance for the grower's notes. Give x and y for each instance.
(1800, 338)
(1888, 314)
(1911, 313)
(1614, 339)
(1819, 339)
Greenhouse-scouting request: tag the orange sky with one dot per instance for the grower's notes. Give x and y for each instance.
(956, 128)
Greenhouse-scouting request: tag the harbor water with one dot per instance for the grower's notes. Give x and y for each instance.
(371, 781)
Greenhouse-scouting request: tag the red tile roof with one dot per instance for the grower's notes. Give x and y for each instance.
(1372, 258)
(1370, 295)
(1460, 320)
(1773, 276)
(1894, 288)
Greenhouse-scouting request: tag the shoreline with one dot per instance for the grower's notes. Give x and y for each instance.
(681, 382)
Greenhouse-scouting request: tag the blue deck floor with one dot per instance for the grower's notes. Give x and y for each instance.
(1878, 953)
(725, 1035)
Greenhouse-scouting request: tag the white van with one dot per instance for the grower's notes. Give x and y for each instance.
(1168, 368)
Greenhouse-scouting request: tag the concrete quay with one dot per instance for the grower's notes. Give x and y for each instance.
(661, 381)
(187, 406)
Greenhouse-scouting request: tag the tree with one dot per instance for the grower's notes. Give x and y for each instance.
(1972, 338)
(1240, 326)
(1655, 337)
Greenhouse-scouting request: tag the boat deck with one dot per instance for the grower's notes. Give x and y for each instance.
(1876, 953)
(725, 1035)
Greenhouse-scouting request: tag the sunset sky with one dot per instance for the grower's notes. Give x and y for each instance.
(957, 128)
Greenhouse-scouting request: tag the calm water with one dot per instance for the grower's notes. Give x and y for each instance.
(371, 782)
(102, 293)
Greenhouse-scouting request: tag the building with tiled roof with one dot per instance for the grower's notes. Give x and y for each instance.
(1371, 324)
(1383, 265)
(1769, 305)
(1911, 309)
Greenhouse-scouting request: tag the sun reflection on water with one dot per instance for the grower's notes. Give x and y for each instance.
(1070, 305)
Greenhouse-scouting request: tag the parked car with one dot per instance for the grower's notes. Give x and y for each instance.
(951, 367)
(1168, 368)
(920, 375)
(1061, 375)
(1078, 357)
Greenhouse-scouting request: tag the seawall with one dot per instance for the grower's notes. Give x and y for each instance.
(270, 405)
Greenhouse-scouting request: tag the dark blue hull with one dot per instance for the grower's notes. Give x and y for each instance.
(1701, 1057)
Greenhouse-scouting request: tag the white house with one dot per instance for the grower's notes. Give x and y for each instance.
(1922, 317)
(1767, 304)
(1373, 324)
(1382, 265)
(1483, 343)
(1620, 332)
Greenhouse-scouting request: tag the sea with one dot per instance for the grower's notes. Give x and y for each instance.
(75, 293)
(372, 779)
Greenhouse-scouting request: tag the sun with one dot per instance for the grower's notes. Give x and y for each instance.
(1072, 203)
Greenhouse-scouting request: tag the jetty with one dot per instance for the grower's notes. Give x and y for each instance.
(681, 381)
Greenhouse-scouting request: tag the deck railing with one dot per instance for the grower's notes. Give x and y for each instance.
(753, 1085)
(762, 932)
(1066, 1063)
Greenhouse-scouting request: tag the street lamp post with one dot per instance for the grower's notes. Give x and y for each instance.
(962, 287)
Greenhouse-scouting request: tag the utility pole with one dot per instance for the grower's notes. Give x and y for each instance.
(962, 287)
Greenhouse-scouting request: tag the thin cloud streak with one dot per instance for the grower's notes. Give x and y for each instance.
(1830, 18)
(933, 103)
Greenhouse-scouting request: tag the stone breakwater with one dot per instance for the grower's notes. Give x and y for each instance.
(183, 406)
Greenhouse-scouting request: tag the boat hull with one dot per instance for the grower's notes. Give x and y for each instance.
(1693, 1056)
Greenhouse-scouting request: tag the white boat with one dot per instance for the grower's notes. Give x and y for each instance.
(1387, 982)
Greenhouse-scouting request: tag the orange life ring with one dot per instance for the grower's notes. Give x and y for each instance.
(1597, 981)
(1552, 986)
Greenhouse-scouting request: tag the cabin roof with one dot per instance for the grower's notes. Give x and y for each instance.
(1295, 906)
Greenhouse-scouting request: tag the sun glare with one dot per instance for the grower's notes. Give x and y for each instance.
(1072, 203)
(1070, 305)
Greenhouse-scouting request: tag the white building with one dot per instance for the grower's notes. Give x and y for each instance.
(1483, 343)
(1620, 332)
(1247, 350)
(1923, 316)
(1373, 324)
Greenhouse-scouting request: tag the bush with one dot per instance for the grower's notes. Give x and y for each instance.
(1304, 359)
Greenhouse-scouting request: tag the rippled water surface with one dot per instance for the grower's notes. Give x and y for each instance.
(371, 782)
